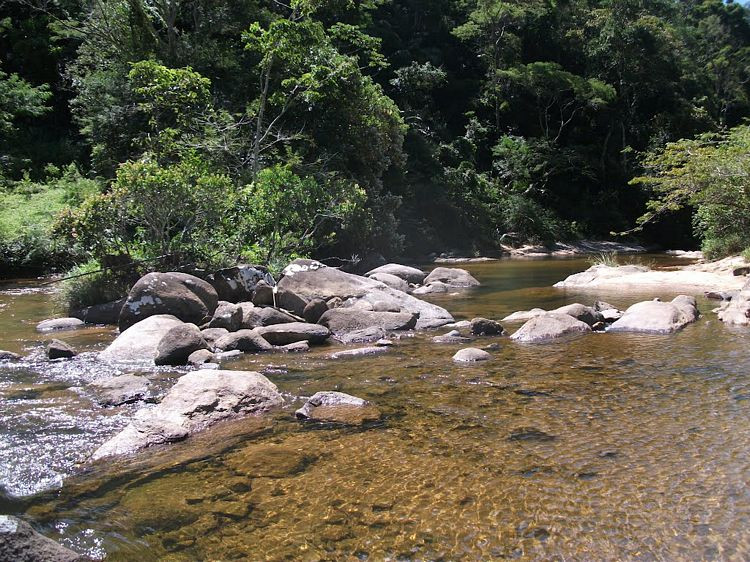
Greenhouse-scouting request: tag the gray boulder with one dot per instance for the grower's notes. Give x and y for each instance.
(265, 316)
(263, 294)
(284, 334)
(471, 355)
(656, 317)
(403, 272)
(247, 341)
(580, 312)
(212, 335)
(122, 389)
(141, 341)
(452, 276)
(8, 356)
(237, 284)
(57, 349)
(391, 280)
(550, 326)
(338, 407)
(200, 357)
(107, 313)
(178, 344)
(59, 324)
(184, 296)
(329, 283)
(19, 542)
(197, 401)
(524, 315)
(736, 311)
(291, 301)
(228, 316)
(343, 320)
(314, 310)
(485, 327)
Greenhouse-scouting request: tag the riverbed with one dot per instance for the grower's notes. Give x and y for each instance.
(605, 447)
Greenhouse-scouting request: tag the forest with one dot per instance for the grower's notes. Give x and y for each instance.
(202, 133)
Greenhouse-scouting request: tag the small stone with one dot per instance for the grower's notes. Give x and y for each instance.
(384, 343)
(338, 407)
(59, 324)
(485, 327)
(60, 350)
(296, 347)
(200, 357)
(361, 352)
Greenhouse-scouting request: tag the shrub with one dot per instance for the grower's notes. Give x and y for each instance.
(88, 285)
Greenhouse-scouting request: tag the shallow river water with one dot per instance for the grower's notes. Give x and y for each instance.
(605, 447)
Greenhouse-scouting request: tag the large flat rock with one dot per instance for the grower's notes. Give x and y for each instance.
(197, 401)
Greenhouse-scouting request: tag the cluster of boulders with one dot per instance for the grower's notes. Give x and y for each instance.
(176, 318)
(735, 306)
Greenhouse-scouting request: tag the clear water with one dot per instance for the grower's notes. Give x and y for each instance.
(606, 447)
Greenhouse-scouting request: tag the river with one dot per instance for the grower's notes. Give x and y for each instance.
(605, 447)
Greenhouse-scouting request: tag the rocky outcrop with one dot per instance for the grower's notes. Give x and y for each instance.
(141, 341)
(471, 355)
(197, 401)
(178, 344)
(107, 313)
(451, 276)
(657, 317)
(548, 327)
(57, 349)
(228, 316)
(122, 389)
(59, 324)
(19, 542)
(328, 283)
(403, 272)
(345, 320)
(338, 407)
(284, 334)
(247, 341)
(184, 296)
(237, 284)
(736, 311)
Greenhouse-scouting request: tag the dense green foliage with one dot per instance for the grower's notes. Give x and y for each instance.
(213, 131)
(710, 173)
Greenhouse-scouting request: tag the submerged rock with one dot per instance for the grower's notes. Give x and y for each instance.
(181, 295)
(485, 327)
(8, 356)
(122, 389)
(338, 407)
(454, 336)
(60, 324)
(549, 326)
(178, 344)
(359, 352)
(197, 401)
(140, 342)
(366, 335)
(658, 317)
(19, 542)
(57, 349)
(471, 355)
